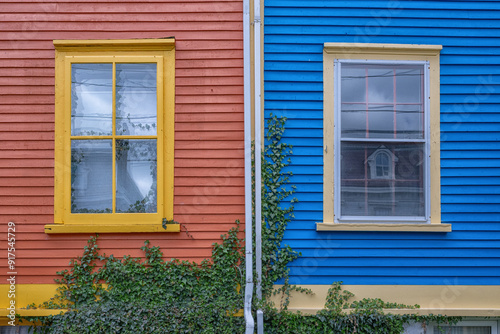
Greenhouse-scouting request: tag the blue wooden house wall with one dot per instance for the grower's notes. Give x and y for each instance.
(469, 31)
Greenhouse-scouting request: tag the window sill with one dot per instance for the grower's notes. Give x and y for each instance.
(383, 227)
(128, 228)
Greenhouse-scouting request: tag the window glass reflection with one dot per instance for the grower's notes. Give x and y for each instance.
(91, 99)
(353, 83)
(382, 101)
(136, 99)
(136, 176)
(91, 176)
(382, 179)
(353, 120)
(380, 84)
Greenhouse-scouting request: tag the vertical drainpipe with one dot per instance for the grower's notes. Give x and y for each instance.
(258, 153)
(249, 321)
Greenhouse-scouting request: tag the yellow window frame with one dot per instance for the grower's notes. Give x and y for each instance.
(371, 51)
(159, 51)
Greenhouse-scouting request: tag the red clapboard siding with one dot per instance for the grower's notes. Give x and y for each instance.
(207, 35)
(25, 182)
(28, 18)
(167, 7)
(209, 172)
(24, 200)
(190, 144)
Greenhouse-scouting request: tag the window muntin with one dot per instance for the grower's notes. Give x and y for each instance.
(382, 113)
(112, 106)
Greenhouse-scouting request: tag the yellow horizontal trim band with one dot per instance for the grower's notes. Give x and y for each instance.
(238, 313)
(448, 312)
(154, 44)
(26, 294)
(42, 312)
(128, 228)
(375, 48)
(451, 299)
(383, 227)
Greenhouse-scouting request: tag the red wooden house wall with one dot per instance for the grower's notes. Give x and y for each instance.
(209, 171)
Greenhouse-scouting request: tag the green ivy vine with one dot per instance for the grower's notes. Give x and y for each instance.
(149, 295)
(105, 294)
(277, 213)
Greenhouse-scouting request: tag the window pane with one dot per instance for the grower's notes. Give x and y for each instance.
(380, 83)
(353, 86)
(409, 121)
(409, 83)
(409, 99)
(91, 99)
(382, 101)
(380, 121)
(381, 179)
(353, 119)
(136, 176)
(136, 99)
(382, 165)
(91, 176)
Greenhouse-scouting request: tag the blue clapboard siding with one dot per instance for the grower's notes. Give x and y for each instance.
(469, 31)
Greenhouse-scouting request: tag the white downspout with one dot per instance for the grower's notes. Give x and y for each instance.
(258, 166)
(249, 321)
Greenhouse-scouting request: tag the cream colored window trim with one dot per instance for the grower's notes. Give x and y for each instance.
(383, 227)
(396, 52)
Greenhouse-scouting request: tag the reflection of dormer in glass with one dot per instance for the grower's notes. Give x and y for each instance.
(381, 164)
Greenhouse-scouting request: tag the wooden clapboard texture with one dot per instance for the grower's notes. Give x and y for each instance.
(209, 173)
(295, 32)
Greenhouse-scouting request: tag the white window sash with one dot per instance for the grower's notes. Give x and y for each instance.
(338, 218)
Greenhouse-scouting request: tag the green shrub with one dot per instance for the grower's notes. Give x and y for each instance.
(104, 294)
(149, 295)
